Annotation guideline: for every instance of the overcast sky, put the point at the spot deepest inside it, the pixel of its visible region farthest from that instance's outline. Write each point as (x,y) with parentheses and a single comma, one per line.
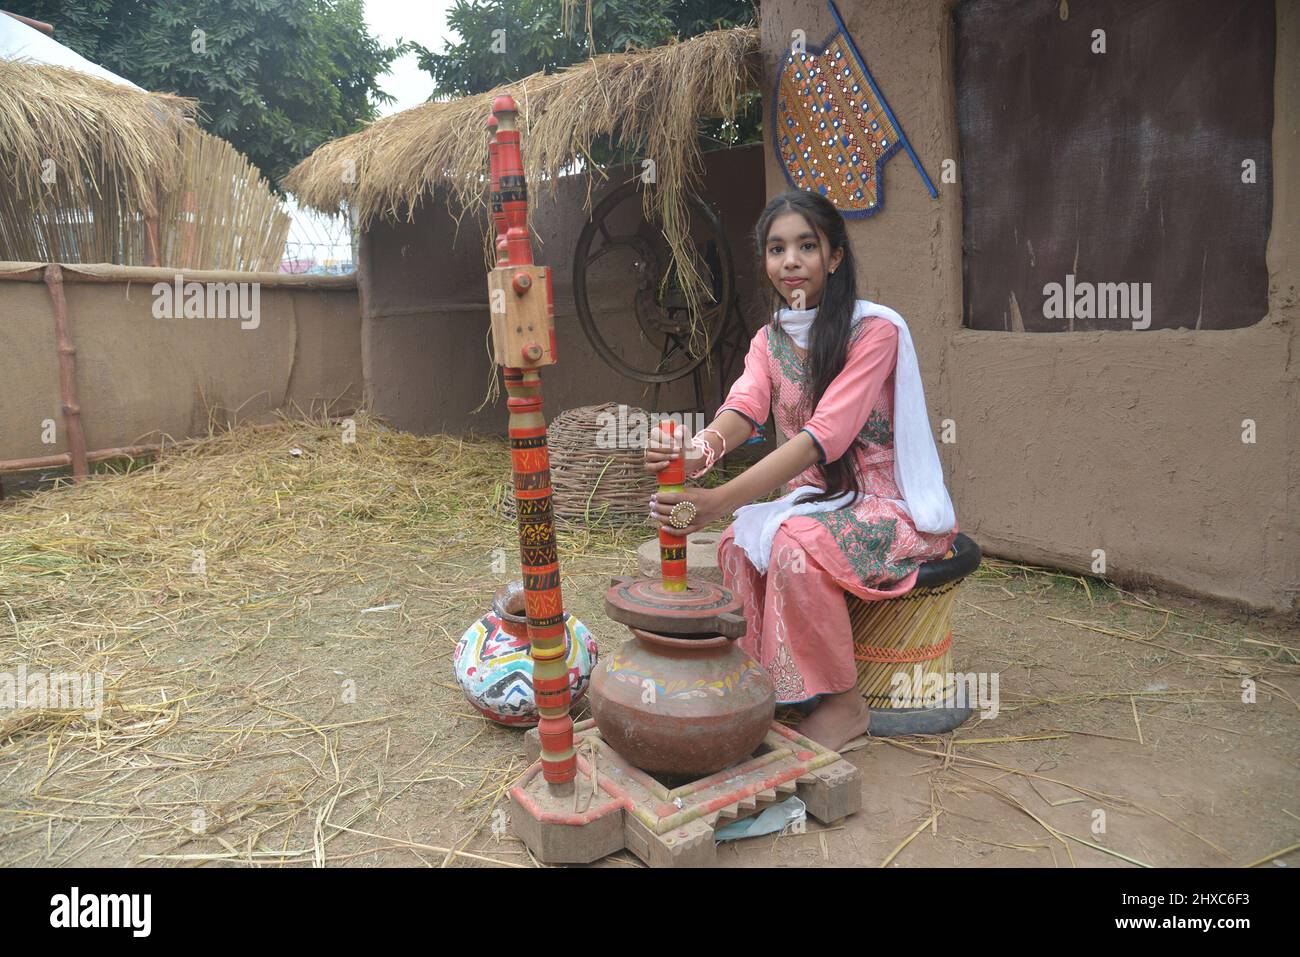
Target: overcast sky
(313,236)
(423,21)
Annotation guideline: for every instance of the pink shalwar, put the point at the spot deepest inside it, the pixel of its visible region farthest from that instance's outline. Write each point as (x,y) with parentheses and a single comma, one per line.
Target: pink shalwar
(798,622)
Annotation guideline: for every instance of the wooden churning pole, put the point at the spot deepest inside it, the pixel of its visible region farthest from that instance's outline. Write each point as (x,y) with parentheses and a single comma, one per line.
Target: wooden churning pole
(522,308)
(672,546)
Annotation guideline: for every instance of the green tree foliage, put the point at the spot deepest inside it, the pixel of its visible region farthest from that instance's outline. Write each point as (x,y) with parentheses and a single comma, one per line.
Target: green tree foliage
(274,77)
(505,40)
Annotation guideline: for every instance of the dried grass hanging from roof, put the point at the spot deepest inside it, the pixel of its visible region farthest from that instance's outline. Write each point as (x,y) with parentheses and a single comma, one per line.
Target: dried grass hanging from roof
(88,161)
(649,100)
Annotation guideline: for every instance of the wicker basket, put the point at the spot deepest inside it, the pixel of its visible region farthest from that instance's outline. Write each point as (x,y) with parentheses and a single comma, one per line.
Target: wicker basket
(590,483)
(902,634)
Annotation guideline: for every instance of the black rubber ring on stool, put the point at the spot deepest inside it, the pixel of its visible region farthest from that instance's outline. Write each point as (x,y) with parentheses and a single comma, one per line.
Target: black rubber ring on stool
(890,722)
(939,571)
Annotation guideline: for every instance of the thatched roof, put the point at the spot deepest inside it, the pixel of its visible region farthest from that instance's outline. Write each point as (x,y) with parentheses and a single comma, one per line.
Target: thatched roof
(101,137)
(650,99)
(90,162)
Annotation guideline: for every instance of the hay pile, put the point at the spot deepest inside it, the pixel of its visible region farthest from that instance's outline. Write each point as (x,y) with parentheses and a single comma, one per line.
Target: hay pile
(223,739)
(104,578)
(650,100)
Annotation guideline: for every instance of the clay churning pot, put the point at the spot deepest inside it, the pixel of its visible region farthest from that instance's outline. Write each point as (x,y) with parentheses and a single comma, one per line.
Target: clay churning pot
(681,706)
(680,698)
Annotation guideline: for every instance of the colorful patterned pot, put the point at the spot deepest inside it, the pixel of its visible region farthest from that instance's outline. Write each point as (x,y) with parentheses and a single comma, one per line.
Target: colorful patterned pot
(682,706)
(493,666)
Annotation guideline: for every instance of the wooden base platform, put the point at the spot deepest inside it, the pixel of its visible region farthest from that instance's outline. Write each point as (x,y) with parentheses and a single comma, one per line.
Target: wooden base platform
(613,805)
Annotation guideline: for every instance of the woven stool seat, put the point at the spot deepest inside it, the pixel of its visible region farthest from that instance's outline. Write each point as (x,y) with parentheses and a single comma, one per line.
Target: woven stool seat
(911,634)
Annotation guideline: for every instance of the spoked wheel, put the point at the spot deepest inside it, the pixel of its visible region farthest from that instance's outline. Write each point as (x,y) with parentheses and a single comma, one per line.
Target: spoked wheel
(622,278)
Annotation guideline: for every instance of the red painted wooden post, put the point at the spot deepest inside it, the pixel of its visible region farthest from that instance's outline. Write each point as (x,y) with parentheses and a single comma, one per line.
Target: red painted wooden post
(510,181)
(498,217)
(672,547)
(523,330)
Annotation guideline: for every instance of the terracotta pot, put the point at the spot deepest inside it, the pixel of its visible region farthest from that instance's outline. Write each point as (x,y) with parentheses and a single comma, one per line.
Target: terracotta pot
(681,706)
(494,668)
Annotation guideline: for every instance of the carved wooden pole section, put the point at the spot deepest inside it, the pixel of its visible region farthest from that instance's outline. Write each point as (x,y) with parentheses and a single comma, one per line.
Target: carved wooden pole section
(67,372)
(498,215)
(672,547)
(523,340)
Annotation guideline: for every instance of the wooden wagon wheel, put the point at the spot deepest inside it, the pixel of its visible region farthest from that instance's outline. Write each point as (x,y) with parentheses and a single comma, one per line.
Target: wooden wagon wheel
(629,270)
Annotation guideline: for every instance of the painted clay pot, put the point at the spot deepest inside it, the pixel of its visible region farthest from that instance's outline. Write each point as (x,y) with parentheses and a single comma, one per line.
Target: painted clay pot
(681,706)
(493,666)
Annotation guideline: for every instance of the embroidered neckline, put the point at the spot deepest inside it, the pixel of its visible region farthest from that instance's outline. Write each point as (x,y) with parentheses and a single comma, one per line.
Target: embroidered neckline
(878,429)
(791,365)
(794,367)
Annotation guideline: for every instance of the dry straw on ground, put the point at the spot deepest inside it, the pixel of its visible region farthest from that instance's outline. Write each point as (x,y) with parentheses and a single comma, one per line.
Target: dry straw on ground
(648,100)
(168,580)
(223,740)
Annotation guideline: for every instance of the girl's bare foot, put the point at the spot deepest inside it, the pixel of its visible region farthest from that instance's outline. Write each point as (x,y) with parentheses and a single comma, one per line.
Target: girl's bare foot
(837,720)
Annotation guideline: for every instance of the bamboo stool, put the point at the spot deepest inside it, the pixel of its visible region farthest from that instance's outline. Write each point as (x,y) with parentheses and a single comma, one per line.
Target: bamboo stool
(912,635)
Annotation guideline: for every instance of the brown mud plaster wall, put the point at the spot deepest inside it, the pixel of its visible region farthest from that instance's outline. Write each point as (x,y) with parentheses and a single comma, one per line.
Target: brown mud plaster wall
(425,312)
(1125,441)
(139,377)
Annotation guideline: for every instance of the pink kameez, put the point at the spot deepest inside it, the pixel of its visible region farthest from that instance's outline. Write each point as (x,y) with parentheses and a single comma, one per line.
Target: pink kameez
(798,622)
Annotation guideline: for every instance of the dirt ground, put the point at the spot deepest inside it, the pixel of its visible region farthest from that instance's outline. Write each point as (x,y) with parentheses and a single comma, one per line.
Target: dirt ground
(292,728)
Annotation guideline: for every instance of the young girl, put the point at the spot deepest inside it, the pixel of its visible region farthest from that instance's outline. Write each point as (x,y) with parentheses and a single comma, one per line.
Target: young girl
(866,503)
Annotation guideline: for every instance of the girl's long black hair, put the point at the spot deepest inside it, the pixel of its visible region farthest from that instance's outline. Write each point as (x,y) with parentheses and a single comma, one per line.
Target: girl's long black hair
(829,343)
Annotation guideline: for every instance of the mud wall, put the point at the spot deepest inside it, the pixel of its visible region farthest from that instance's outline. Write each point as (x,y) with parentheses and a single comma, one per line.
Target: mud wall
(141,376)
(424,305)
(1065,443)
